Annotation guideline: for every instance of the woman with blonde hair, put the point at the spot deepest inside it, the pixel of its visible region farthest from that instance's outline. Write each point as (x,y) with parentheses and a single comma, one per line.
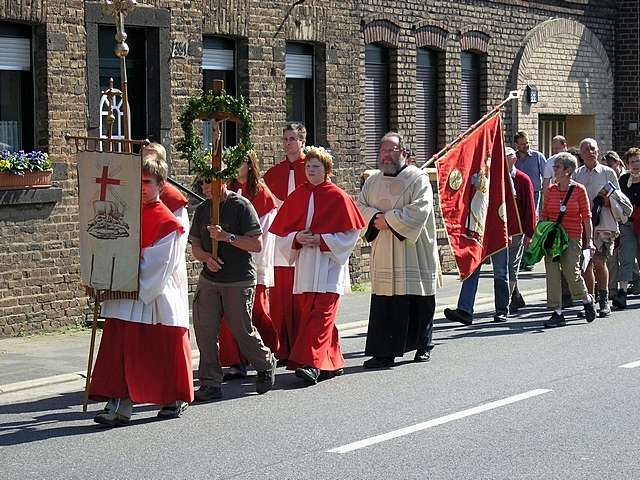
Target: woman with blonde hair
(320,225)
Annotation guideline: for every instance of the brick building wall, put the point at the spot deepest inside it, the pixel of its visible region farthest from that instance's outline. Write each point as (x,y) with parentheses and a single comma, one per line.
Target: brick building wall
(39,272)
(627,78)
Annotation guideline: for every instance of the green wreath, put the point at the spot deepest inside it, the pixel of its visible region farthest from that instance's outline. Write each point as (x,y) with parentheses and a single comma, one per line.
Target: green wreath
(190,146)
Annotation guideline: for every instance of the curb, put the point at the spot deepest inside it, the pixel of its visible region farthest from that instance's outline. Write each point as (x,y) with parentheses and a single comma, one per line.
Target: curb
(72,377)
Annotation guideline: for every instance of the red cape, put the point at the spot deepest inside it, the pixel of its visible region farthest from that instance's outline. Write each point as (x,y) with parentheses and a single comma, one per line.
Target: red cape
(172,197)
(262,201)
(157,222)
(334,211)
(277,177)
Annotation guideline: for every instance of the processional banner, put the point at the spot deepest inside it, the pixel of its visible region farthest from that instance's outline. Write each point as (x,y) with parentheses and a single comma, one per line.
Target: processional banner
(477,197)
(110,200)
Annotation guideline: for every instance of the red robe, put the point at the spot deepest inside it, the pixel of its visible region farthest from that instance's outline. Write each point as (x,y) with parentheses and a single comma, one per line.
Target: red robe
(334,211)
(172,197)
(284,311)
(277,177)
(148,363)
(228,349)
(317,343)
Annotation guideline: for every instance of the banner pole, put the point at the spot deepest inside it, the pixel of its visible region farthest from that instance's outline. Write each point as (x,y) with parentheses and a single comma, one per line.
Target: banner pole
(94,328)
(513,94)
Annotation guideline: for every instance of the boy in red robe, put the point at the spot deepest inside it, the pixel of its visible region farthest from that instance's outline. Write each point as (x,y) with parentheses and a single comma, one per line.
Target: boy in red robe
(319,225)
(282,179)
(145,353)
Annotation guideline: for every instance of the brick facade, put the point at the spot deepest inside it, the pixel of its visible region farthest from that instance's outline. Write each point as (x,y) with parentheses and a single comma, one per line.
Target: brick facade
(39,272)
(627,76)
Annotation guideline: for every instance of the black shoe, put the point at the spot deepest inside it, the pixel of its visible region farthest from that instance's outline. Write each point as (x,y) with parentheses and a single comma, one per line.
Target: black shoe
(379,362)
(173,410)
(309,374)
(634,288)
(206,393)
(589,312)
(603,304)
(500,318)
(266,378)
(556,320)
(458,315)
(620,300)
(328,374)
(422,356)
(236,372)
(111,419)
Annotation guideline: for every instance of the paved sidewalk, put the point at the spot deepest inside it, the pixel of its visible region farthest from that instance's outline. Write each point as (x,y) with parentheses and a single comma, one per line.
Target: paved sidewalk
(38,360)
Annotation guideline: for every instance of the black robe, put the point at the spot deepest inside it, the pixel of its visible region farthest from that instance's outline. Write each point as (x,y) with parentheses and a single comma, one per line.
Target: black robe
(399,324)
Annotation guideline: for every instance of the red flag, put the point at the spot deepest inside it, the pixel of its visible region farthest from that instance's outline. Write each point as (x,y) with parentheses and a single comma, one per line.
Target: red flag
(476,197)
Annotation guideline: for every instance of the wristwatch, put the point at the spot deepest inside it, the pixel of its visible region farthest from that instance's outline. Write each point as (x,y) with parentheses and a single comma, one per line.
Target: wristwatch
(232,238)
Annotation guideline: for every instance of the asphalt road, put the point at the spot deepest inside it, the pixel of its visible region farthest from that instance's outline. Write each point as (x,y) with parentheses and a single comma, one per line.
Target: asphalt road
(497,401)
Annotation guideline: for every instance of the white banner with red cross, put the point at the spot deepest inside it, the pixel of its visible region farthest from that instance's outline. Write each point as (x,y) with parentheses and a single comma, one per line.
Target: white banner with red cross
(110,200)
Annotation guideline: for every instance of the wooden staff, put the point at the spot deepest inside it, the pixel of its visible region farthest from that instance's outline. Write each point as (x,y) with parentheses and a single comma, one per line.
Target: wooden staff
(216,164)
(513,94)
(94,328)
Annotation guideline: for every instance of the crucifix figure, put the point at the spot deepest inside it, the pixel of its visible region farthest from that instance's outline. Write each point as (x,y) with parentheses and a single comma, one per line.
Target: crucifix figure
(217,119)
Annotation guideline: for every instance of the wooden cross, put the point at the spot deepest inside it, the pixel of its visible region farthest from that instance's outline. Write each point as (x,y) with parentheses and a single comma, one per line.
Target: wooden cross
(217,126)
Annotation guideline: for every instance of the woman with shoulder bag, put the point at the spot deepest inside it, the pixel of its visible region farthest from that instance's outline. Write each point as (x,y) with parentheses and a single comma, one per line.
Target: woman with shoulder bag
(567,203)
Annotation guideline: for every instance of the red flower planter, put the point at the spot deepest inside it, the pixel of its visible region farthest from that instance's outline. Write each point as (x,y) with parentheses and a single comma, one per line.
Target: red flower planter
(9,181)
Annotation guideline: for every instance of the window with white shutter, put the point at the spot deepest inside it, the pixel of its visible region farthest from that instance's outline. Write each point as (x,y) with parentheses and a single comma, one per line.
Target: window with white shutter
(301,99)
(469,90)
(219,63)
(426,104)
(377,94)
(16,88)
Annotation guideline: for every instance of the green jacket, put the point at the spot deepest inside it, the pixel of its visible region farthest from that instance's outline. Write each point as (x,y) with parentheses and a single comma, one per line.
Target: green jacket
(550,238)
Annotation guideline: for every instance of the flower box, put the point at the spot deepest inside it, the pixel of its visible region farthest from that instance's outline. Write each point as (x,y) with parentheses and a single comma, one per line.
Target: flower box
(9,181)
(20,170)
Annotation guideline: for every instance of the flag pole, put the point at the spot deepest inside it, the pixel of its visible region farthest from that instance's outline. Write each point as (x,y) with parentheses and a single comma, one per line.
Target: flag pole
(513,94)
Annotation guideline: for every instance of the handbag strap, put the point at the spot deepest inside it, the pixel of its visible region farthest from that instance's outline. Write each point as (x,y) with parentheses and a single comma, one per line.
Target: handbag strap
(563,205)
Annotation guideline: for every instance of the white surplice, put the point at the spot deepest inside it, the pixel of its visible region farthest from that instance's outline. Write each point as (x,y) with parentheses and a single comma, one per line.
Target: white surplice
(318,271)
(264,259)
(162,286)
(409,266)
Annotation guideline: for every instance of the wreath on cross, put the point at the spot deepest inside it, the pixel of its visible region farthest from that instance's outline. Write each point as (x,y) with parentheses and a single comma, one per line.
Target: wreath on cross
(217,108)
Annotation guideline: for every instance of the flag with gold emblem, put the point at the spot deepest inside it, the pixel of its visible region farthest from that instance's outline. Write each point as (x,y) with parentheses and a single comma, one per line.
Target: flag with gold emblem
(476,197)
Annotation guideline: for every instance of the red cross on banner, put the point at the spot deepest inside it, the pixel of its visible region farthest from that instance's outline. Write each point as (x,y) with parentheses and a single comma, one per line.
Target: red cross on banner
(104,180)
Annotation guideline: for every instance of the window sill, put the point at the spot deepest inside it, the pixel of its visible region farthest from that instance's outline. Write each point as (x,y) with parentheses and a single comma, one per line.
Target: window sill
(30,196)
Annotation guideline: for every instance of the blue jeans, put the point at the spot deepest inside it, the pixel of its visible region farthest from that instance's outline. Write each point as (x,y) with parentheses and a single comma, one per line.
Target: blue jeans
(467,297)
(536,201)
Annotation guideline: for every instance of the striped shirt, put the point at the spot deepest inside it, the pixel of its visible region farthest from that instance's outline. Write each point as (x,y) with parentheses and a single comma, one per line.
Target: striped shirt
(578,208)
